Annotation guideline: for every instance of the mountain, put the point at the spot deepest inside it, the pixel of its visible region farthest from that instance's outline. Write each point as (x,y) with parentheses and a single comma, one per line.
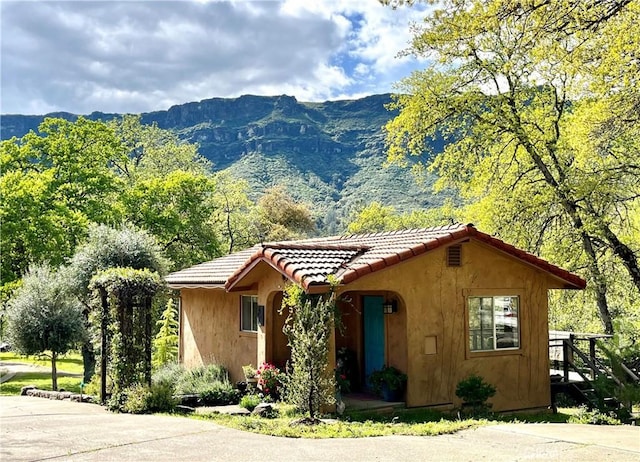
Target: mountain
(329,154)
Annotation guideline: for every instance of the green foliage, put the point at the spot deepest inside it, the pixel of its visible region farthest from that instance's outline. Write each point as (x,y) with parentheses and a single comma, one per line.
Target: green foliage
(210,382)
(290,426)
(44,317)
(250,401)
(176,208)
(375,218)
(537,144)
(281,218)
(249,371)
(125,295)
(594,417)
(474,390)
(151,152)
(145,399)
(165,343)
(309,384)
(233,214)
(219,394)
(389,377)
(621,352)
(169,373)
(107,247)
(53,185)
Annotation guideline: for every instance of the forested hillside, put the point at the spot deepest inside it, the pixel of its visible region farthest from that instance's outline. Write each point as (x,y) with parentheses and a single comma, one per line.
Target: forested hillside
(330,155)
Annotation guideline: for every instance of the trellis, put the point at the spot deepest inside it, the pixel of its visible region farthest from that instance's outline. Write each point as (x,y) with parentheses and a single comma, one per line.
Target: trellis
(125,296)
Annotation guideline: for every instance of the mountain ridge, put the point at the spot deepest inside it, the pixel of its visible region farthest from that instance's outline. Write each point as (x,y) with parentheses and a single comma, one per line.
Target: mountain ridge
(330,154)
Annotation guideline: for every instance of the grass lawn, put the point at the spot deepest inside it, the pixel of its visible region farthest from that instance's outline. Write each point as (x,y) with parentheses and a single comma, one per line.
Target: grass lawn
(284,426)
(417,422)
(71,363)
(41,380)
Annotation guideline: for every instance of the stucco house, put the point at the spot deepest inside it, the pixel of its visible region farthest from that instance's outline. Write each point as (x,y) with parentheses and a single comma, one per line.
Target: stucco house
(438,304)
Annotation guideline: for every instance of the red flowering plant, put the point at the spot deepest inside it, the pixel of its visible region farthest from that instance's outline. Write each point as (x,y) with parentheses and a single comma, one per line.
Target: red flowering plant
(269,379)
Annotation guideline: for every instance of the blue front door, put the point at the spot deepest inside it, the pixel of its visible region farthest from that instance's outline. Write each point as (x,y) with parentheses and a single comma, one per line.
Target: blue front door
(373,336)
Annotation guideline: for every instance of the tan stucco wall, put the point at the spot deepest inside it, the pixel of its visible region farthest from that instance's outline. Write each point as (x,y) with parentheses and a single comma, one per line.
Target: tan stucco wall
(211,331)
(433,301)
(431,305)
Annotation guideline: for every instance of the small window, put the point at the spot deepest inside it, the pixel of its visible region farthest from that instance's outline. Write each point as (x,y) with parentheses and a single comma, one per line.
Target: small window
(249,313)
(494,323)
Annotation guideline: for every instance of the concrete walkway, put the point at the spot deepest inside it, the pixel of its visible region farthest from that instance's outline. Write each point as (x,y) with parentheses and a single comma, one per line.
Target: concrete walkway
(36,429)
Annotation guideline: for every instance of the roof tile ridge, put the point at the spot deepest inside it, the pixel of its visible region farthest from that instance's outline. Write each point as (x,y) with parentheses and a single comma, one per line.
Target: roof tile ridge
(394,232)
(315,246)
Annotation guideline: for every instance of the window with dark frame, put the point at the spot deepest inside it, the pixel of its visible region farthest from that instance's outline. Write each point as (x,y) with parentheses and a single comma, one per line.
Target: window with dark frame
(249,313)
(494,323)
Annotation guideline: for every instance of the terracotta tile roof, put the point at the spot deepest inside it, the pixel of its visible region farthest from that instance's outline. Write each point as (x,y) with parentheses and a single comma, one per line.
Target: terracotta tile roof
(310,261)
(211,273)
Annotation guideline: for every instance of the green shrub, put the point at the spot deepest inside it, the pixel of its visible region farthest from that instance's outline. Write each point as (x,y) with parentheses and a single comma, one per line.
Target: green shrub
(200,379)
(595,417)
(142,399)
(220,394)
(474,393)
(169,373)
(474,390)
(249,402)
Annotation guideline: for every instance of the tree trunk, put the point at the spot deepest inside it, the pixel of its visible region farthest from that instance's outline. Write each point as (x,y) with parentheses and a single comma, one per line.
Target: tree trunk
(571,208)
(88,362)
(628,257)
(54,371)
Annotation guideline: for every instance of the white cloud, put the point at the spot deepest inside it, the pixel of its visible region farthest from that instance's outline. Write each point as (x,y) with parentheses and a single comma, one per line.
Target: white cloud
(126,56)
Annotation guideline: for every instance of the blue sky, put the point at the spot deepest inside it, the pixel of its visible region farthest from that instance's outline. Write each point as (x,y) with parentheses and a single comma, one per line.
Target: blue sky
(139,56)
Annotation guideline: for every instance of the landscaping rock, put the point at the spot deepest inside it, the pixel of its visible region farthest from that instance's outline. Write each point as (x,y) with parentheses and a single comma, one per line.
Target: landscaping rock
(24,391)
(232,409)
(185,409)
(191,400)
(262,409)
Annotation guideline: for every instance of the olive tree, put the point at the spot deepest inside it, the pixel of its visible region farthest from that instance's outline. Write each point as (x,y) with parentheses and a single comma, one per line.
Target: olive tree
(44,318)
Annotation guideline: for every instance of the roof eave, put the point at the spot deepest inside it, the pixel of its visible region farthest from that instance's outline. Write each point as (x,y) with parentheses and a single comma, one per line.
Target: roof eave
(194,285)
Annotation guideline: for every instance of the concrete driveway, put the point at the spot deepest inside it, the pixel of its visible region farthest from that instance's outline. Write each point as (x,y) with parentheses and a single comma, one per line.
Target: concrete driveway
(36,429)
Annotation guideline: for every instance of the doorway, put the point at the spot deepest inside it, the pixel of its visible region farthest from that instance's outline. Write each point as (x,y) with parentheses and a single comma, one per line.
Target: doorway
(374,347)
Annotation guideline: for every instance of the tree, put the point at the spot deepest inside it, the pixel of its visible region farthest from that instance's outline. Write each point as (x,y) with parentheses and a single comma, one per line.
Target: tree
(376,218)
(523,93)
(309,326)
(169,190)
(177,209)
(44,318)
(233,213)
(53,184)
(151,152)
(106,247)
(165,343)
(281,218)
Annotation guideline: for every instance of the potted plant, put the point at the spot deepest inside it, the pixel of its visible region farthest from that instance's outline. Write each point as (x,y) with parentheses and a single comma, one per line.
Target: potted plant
(388,382)
(250,376)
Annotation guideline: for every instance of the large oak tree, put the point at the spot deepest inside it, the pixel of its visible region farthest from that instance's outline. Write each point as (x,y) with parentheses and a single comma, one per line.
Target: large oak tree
(538,101)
